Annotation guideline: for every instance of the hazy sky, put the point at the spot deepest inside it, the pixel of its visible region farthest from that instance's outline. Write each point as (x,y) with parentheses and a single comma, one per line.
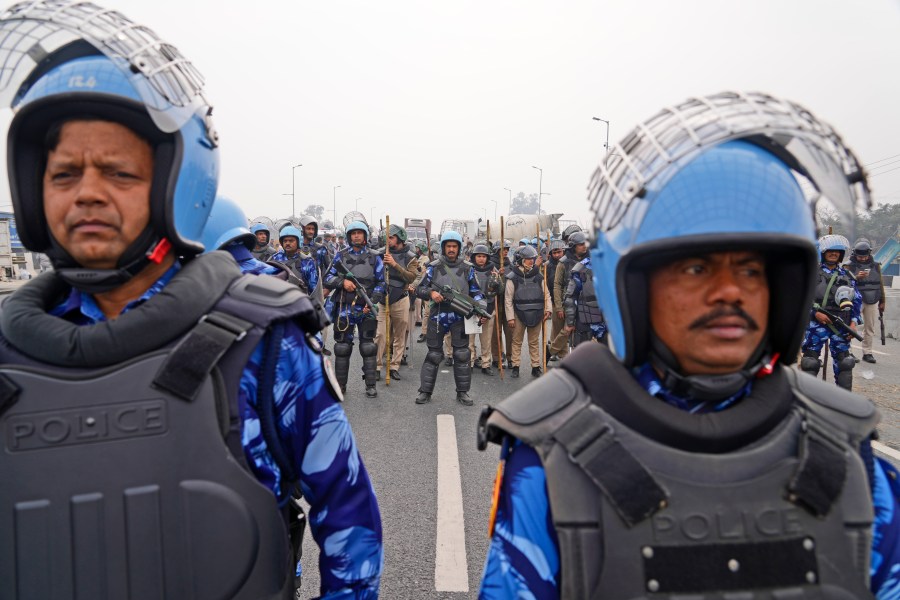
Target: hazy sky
(430,109)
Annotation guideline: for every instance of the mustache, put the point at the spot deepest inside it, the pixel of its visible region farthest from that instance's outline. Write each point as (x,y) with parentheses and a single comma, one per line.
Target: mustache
(725,311)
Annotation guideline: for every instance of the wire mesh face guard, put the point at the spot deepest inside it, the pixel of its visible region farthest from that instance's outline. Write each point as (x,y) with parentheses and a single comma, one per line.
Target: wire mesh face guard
(810,147)
(169,85)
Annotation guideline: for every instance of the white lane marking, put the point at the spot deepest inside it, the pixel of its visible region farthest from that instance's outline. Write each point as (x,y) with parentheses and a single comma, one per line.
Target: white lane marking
(451,571)
(874,351)
(886,450)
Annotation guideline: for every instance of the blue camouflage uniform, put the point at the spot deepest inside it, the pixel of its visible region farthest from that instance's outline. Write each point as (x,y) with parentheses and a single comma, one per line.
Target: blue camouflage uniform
(817,333)
(344,516)
(247,263)
(523,558)
(445,320)
(598,330)
(351,313)
(307,272)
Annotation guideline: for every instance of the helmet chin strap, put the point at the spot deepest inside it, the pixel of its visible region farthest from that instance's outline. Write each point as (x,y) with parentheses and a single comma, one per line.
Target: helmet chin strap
(707,387)
(96,281)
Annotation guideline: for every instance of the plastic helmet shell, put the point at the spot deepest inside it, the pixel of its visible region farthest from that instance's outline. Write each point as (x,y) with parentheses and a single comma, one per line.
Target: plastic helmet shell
(733,196)
(862,248)
(357,226)
(186,162)
(226,225)
(557,245)
(451,236)
(526,252)
(290,231)
(480,249)
(576,238)
(569,231)
(400,232)
(256,228)
(833,242)
(308,220)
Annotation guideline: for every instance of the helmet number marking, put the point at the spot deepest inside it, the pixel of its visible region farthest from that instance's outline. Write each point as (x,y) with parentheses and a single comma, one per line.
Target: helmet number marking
(79,81)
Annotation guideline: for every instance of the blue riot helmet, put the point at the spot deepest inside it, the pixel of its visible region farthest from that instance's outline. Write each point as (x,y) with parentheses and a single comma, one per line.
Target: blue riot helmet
(833,242)
(524,241)
(451,236)
(714,174)
(254,229)
(290,231)
(95,64)
(227,225)
(357,226)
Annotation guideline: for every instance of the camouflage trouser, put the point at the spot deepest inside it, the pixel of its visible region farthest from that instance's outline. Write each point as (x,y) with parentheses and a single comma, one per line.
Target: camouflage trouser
(815,338)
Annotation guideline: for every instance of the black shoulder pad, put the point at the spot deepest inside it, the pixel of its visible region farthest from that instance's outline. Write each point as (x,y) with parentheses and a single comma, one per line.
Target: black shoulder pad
(268,291)
(578,268)
(540,399)
(834,404)
(435,262)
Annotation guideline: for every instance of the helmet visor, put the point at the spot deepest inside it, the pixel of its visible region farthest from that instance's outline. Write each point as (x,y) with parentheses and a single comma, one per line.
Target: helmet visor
(167,83)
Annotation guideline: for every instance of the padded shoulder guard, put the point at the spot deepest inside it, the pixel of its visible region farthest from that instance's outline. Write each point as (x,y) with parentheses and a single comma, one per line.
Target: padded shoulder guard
(532,413)
(850,412)
(579,267)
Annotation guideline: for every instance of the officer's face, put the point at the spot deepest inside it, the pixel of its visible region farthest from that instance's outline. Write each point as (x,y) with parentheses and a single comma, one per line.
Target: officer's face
(262,238)
(357,237)
(481,259)
(832,256)
(711,310)
(97,191)
(290,244)
(580,249)
(557,254)
(451,250)
(310,231)
(527,263)
(394,242)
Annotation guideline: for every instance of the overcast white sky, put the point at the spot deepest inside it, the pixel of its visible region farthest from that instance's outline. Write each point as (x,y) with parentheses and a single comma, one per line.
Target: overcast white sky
(430,109)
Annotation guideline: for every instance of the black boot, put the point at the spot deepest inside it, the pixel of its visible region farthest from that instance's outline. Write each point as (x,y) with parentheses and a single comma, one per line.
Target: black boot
(464,399)
(395,374)
(487,371)
(403,360)
(515,371)
(423,398)
(536,371)
(371,392)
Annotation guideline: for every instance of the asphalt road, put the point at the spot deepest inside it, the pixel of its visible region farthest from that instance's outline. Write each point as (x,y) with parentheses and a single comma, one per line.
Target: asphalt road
(398,441)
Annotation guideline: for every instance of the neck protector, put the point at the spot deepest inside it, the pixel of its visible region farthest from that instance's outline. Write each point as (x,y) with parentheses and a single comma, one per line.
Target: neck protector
(703,387)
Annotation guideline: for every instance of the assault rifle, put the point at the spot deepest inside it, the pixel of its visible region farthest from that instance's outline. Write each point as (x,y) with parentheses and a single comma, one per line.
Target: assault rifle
(360,290)
(839,323)
(881,320)
(461,303)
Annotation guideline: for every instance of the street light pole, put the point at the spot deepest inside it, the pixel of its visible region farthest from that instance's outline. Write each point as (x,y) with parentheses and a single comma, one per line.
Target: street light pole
(334,203)
(509,206)
(606,145)
(540,184)
(293,204)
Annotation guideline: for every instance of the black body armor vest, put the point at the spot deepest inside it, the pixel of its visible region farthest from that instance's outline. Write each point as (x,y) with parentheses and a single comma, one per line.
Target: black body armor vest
(870,286)
(363,268)
(587,308)
(455,275)
(841,277)
(125,476)
(528,297)
(397,287)
(767,499)
(263,255)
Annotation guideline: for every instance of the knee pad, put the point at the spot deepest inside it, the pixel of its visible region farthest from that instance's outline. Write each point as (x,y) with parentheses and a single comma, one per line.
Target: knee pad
(343,349)
(462,355)
(434,357)
(367,348)
(845,362)
(810,363)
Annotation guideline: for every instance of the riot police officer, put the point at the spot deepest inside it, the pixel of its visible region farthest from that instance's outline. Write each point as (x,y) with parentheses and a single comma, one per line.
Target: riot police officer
(298,261)
(584,319)
(448,275)
(489,282)
(310,230)
(558,346)
(401,261)
(183,378)
(651,468)
(527,307)
(835,311)
(871,287)
(262,249)
(504,351)
(355,273)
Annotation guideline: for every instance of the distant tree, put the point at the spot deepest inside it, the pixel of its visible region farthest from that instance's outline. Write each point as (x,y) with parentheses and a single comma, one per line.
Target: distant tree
(877,226)
(315,210)
(525,205)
